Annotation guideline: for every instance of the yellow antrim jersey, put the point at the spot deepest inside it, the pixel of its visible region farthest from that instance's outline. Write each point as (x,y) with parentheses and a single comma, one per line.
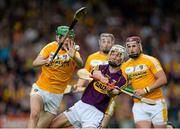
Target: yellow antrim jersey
(95,59)
(54,78)
(140,74)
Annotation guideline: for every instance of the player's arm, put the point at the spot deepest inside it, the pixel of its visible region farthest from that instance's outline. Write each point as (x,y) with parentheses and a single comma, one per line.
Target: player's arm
(115,89)
(79,86)
(160,77)
(40,60)
(81,82)
(113,92)
(43,57)
(97,74)
(78,60)
(74,54)
(160,81)
(159,74)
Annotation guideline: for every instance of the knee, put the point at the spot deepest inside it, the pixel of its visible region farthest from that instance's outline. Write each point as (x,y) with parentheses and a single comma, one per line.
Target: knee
(34,114)
(54,123)
(60,121)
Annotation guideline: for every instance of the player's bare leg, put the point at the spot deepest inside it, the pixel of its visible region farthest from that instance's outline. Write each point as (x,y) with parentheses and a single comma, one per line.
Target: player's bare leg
(143,124)
(36,104)
(45,119)
(160,126)
(105,121)
(60,121)
(108,114)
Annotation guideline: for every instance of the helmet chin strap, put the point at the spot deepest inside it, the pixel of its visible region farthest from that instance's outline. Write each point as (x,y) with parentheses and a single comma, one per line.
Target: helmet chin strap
(114,65)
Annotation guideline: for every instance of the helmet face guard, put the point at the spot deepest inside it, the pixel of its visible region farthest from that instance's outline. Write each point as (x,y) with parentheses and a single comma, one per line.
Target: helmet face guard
(137,40)
(62,30)
(122,53)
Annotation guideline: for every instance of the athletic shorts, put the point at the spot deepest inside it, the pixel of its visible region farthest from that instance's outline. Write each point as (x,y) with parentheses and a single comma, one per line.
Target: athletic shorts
(51,101)
(157,114)
(82,115)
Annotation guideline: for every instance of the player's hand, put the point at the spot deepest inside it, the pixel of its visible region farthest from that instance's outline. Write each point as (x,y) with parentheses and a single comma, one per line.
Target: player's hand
(98,76)
(104,80)
(109,87)
(49,61)
(140,92)
(70,48)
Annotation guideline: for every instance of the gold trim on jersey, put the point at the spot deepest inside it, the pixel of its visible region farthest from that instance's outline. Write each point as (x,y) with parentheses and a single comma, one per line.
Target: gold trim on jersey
(100,87)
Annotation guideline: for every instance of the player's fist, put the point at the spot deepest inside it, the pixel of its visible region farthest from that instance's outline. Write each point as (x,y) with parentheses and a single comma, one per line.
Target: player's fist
(49,61)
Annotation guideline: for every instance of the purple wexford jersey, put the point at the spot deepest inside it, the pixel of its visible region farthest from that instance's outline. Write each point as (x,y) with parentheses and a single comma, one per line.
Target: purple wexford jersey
(96,94)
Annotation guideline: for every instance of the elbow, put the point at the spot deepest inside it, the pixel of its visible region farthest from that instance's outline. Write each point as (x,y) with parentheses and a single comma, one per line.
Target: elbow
(165,80)
(34,64)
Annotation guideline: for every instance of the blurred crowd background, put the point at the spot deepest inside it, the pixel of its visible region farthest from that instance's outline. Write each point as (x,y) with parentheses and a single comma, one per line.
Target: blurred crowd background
(27,25)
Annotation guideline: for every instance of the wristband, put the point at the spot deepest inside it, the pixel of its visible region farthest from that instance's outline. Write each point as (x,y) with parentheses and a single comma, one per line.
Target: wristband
(146,89)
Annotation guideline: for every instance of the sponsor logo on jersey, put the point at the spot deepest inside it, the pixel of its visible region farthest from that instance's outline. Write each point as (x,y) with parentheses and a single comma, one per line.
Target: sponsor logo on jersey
(60,60)
(138,68)
(135,72)
(98,62)
(100,87)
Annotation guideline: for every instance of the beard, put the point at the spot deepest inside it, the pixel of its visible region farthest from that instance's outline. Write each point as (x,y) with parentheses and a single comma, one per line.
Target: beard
(134,56)
(114,65)
(105,51)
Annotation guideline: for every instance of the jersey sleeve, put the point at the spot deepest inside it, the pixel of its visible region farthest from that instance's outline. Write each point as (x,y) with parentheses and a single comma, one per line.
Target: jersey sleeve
(87,64)
(46,51)
(155,65)
(123,71)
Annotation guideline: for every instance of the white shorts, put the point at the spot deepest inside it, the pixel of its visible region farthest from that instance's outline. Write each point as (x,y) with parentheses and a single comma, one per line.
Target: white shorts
(51,101)
(157,114)
(82,115)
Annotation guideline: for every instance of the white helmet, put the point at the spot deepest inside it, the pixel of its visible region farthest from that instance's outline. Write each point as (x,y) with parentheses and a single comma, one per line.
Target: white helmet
(120,49)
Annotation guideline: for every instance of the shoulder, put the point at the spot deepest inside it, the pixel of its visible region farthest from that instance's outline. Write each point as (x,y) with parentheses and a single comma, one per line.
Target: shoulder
(94,54)
(126,63)
(54,43)
(150,59)
(51,44)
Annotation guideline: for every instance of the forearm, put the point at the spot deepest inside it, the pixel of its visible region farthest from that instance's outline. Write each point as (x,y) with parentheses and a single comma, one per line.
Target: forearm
(113,92)
(79,61)
(157,84)
(81,83)
(40,60)
(39,63)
